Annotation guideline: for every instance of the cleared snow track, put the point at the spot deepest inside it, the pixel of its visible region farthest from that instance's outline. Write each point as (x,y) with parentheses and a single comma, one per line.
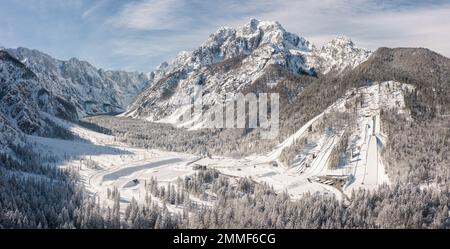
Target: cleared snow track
(123,172)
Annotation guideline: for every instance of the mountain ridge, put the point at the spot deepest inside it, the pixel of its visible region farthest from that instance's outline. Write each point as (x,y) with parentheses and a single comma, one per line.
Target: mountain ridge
(256,47)
(91,90)
(34,83)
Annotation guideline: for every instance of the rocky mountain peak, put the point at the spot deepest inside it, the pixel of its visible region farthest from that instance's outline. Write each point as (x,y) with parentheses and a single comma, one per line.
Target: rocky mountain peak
(232,59)
(263,40)
(337,55)
(341,41)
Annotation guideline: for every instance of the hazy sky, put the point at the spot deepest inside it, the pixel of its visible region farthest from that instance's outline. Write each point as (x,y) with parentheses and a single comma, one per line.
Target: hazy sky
(140,34)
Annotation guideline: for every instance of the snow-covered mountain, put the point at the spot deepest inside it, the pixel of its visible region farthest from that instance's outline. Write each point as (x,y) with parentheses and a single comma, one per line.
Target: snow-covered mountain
(232,60)
(337,55)
(35,86)
(8,134)
(88,89)
(22,97)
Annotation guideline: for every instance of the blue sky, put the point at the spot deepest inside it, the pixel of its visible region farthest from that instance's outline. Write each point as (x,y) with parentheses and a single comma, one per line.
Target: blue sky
(140,34)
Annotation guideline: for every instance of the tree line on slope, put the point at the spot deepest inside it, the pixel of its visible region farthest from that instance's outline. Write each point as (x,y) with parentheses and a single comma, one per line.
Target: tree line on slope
(416,151)
(144,134)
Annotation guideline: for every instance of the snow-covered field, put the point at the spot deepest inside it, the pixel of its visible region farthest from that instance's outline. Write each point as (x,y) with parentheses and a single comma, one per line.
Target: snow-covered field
(105,163)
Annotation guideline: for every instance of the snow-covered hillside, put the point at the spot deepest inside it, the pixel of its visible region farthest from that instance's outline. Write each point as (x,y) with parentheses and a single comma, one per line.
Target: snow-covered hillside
(22,97)
(33,83)
(8,135)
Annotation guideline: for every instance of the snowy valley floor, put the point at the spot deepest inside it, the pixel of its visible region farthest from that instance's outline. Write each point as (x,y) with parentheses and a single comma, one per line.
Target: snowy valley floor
(104,163)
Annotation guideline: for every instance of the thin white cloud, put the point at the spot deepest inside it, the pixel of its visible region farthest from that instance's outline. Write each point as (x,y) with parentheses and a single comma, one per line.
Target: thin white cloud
(149,15)
(93,8)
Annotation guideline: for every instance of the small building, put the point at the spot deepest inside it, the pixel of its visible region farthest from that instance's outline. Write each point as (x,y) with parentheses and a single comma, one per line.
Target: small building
(199,167)
(356,151)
